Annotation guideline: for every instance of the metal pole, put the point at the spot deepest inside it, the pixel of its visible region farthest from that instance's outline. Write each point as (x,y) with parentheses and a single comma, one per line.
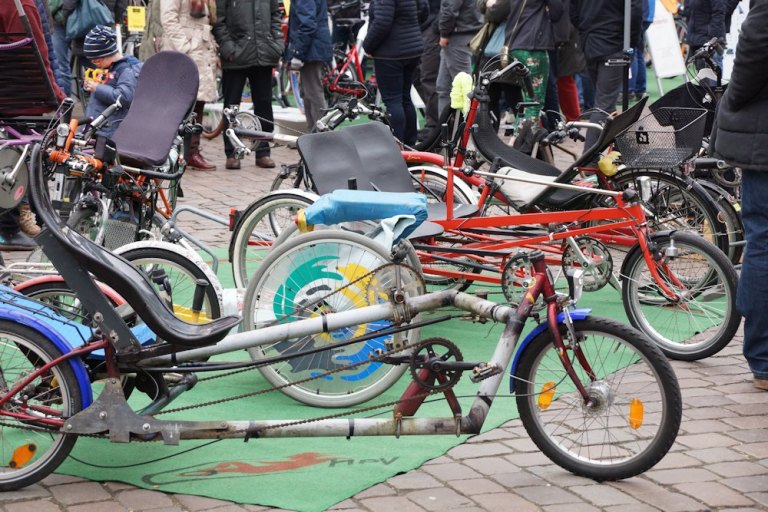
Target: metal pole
(627,51)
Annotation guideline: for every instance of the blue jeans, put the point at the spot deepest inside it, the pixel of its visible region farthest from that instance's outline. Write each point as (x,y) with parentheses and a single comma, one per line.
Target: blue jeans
(394,79)
(752,293)
(637,81)
(61,49)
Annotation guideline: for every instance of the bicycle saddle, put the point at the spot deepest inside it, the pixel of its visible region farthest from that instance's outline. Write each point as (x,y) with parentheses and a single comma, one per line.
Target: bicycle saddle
(165,94)
(128,280)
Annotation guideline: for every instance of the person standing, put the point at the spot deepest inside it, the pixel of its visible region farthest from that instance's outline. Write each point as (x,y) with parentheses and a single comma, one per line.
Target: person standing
(429,66)
(601,25)
(187,29)
(741,138)
(394,42)
(530,35)
(250,44)
(706,20)
(309,47)
(458,22)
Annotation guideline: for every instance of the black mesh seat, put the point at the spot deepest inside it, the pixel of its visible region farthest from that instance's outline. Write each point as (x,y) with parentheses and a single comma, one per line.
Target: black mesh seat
(165,93)
(369,154)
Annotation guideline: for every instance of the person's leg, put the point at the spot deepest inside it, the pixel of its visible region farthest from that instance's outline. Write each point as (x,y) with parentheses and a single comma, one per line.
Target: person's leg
(426,85)
(409,109)
(640,79)
(752,291)
(11,239)
(195,159)
(568,96)
(260,79)
(61,49)
(232,84)
(312,92)
(587,90)
(608,80)
(551,103)
(389,76)
(454,58)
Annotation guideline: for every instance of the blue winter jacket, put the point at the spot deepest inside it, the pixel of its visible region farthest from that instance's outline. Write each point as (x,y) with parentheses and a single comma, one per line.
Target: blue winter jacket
(309,38)
(123,75)
(393,29)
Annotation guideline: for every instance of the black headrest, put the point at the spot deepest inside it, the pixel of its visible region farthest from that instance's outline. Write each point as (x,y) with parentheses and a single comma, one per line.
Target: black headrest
(165,93)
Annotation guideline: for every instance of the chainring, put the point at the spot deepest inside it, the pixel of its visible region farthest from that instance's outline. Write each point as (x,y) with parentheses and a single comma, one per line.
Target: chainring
(597,276)
(516,277)
(431,355)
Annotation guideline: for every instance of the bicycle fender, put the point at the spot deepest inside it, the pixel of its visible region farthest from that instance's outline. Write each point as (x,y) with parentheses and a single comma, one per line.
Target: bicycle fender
(576,314)
(58,338)
(635,248)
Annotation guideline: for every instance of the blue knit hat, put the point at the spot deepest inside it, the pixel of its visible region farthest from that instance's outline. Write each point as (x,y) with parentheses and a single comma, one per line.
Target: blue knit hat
(100,42)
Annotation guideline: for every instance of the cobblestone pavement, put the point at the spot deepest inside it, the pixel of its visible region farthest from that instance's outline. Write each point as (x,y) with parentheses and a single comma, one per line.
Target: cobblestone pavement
(720,459)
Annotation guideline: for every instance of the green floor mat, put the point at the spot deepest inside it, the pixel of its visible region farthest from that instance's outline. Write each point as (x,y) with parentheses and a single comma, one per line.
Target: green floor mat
(307,474)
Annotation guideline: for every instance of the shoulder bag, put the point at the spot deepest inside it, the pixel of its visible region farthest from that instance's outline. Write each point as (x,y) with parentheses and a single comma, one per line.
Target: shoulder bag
(87,15)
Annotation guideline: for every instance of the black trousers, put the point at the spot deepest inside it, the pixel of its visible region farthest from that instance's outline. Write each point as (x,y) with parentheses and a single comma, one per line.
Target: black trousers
(260,80)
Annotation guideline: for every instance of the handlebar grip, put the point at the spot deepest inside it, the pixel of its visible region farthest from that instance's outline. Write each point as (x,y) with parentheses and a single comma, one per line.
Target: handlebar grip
(709,163)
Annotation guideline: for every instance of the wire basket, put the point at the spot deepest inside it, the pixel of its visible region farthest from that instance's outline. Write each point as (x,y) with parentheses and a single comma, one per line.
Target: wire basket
(663,139)
(118,232)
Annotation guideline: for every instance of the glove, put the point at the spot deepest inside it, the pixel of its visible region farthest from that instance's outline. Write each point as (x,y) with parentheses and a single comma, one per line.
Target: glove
(296,64)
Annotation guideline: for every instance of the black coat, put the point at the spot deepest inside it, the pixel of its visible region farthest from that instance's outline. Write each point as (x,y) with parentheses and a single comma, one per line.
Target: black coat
(393,29)
(601,25)
(741,134)
(535,30)
(248,33)
(706,19)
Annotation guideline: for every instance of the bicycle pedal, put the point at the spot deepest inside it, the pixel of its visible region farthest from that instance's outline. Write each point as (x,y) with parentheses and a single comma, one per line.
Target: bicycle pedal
(484,370)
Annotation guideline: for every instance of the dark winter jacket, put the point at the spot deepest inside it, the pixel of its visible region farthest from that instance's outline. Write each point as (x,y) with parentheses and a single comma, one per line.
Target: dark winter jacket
(309,38)
(535,30)
(123,75)
(601,25)
(248,33)
(741,134)
(58,72)
(393,29)
(706,19)
(458,17)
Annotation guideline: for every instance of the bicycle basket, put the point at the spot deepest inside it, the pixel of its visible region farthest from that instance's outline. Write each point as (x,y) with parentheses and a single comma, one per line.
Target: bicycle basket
(663,139)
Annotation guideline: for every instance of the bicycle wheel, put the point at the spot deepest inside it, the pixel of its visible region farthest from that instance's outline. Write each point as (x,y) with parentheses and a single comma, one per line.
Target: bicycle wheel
(635,408)
(260,224)
(315,274)
(32,448)
(177,275)
(292,176)
(432,182)
(675,202)
(703,319)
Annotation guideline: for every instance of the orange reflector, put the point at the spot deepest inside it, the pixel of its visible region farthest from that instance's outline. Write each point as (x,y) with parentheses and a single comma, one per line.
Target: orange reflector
(22,455)
(545,397)
(635,413)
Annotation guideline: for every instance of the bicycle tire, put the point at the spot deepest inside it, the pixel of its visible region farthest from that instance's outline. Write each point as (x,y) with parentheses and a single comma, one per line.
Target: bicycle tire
(56,393)
(259,225)
(677,203)
(598,441)
(705,320)
(183,274)
(435,179)
(305,272)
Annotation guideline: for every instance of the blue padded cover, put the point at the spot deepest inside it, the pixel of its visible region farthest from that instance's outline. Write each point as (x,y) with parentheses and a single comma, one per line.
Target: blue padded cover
(354,205)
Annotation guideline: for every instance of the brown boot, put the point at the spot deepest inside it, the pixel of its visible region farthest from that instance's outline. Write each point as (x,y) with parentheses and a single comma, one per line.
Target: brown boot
(28,221)
(196,159)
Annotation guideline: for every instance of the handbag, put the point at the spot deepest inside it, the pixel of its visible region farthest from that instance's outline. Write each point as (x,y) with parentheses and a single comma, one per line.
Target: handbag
(496,42)
(87,15)
(477,43)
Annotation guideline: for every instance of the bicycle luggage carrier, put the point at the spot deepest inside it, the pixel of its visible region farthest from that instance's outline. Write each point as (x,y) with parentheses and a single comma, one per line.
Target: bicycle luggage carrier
(662,139)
